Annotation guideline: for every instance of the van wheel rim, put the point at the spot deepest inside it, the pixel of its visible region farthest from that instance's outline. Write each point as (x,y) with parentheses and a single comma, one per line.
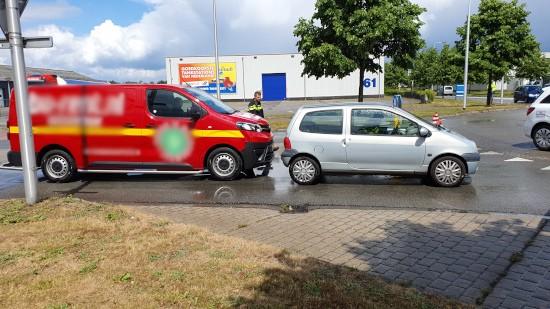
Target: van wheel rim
(57,167)
(542,137)
(448,172)
(224,164)
(303,171)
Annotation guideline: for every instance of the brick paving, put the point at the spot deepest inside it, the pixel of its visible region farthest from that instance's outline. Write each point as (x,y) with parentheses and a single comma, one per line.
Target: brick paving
(527,284)
(459,255)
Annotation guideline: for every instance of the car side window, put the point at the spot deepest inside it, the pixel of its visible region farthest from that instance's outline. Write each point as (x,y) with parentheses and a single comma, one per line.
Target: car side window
(323,122)
(380,122)
(546,100)
(165,103)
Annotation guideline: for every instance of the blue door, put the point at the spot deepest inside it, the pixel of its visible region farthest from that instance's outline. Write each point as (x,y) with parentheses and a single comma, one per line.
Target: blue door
(274,86)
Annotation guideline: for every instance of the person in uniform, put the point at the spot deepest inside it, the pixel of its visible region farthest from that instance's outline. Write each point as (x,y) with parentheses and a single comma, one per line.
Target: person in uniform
(255,106)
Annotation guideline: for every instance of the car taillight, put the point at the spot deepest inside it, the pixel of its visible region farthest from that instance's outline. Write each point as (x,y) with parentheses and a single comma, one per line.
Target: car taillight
(287,143)
(530,110)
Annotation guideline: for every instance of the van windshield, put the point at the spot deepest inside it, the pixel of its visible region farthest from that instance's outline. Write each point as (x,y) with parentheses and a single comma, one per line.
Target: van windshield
(211,101)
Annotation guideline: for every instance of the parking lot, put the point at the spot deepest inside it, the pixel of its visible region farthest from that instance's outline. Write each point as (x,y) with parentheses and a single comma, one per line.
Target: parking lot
(513,178)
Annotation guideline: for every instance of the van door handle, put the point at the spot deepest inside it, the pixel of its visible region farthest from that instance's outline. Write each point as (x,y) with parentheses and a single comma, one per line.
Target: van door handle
(344,142)
(129,125)
(151,126)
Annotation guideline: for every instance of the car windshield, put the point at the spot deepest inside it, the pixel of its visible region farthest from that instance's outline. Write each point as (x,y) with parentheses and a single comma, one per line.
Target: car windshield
(422,121)
(211,101)
(534,89)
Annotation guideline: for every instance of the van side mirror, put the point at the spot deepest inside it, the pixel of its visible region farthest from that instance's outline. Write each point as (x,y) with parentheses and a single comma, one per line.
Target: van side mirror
(424,132)
(196,115)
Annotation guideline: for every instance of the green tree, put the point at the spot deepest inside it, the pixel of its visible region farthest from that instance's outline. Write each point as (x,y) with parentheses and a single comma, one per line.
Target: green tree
(500,40)
(345,35)
(426,68)
(395,75)
(450,66)
(534,67)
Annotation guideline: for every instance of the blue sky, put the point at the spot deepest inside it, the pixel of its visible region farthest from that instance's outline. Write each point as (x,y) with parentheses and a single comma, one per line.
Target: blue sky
(128,39)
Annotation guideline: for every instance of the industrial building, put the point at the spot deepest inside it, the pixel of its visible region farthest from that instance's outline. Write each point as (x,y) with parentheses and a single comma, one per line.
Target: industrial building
(278,76)
(6,79)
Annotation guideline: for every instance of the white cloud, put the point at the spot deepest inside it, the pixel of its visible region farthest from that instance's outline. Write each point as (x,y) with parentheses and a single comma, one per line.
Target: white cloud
(50,11)
(111,51)
(270,13)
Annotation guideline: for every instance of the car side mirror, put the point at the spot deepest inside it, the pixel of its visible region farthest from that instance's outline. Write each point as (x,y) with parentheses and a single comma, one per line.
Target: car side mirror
(196,115)
(424,132)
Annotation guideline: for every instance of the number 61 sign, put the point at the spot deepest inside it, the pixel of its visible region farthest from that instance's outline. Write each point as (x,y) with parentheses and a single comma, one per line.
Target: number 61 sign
(368,83)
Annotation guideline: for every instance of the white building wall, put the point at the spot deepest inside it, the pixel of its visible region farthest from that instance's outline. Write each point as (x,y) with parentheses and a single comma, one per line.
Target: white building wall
(251,67)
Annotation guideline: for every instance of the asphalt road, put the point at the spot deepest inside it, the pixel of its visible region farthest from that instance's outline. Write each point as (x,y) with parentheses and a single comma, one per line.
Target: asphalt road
(499,186)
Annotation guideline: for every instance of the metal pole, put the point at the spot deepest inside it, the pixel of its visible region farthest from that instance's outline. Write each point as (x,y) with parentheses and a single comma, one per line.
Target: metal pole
(502,91)
(26,139)
(216,50)
(467,56)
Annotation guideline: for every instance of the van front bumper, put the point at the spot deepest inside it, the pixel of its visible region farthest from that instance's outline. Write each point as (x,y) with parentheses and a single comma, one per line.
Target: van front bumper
(257,154)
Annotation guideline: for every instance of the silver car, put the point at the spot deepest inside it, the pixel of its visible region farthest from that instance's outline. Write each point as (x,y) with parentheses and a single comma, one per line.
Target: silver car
(374,139)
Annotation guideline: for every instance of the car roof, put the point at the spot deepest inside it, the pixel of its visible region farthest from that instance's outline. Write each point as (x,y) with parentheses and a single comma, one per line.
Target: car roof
(344,104)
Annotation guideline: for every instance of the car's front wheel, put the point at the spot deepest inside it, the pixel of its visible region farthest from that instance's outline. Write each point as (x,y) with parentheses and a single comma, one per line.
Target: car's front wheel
(58,166)
(305,171)
(224,164)
(541,137)
(447,171)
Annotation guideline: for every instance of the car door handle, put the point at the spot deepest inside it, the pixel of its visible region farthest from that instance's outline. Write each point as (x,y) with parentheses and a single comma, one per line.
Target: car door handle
(151,126)
(344,143)
(129,125)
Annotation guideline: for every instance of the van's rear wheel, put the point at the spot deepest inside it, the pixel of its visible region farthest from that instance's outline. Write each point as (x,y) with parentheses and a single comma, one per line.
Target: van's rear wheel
(58,166)
(224,164)
(448,172)
(305,171)
(541,137)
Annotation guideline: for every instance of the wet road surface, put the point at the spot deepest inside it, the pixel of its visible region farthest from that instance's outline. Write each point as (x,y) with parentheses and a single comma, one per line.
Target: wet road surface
(499,186)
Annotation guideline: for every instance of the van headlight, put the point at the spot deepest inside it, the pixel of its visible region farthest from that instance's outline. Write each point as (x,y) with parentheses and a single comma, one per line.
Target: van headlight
(249,126)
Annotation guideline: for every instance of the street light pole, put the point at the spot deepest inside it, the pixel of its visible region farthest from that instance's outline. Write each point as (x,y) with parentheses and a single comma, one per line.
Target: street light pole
(26,139)
(216,50)
(467,55)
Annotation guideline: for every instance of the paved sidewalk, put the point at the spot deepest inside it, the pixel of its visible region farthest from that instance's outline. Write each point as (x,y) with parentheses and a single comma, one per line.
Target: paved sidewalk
(527,284)
(460,255)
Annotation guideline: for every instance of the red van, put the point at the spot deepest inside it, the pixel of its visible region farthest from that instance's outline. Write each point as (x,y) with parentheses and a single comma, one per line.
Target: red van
(156,129)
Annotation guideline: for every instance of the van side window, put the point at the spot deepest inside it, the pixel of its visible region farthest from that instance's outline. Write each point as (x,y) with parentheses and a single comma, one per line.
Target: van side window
(546,100)
(379,122)
(323,122)
(165,103)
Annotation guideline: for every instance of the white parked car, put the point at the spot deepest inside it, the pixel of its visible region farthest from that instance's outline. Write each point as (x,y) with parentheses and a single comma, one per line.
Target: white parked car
(537,125)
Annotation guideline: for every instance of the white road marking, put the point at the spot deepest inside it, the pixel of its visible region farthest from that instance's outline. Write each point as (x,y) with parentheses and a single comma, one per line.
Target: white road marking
(491,153)
(545,169)
(518,159)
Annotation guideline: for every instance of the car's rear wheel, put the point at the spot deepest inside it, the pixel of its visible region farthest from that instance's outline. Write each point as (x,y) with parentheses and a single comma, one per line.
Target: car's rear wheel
(224,164)
(541,137)
(58,166)
(447,171)
(305,171)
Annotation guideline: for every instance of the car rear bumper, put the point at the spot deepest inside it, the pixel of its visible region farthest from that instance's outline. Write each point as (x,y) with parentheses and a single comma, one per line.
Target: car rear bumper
(257,154)
(287,155)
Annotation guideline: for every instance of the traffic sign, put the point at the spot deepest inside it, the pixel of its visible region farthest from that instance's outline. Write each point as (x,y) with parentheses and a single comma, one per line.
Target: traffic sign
(21,4)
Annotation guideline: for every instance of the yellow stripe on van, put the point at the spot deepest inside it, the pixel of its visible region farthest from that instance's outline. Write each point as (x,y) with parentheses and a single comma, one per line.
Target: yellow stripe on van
(218,133)
(114,131)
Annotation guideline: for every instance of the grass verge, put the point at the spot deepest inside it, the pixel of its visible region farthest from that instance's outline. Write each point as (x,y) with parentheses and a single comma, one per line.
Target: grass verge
(66,252)
(444,107)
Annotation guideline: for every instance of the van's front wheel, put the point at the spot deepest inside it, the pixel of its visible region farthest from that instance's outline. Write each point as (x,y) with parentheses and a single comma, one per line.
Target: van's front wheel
(58,166)
(224,164)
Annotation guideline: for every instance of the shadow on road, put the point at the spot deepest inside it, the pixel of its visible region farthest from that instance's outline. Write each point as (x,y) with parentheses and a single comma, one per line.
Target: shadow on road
(310,283)
(461,260)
